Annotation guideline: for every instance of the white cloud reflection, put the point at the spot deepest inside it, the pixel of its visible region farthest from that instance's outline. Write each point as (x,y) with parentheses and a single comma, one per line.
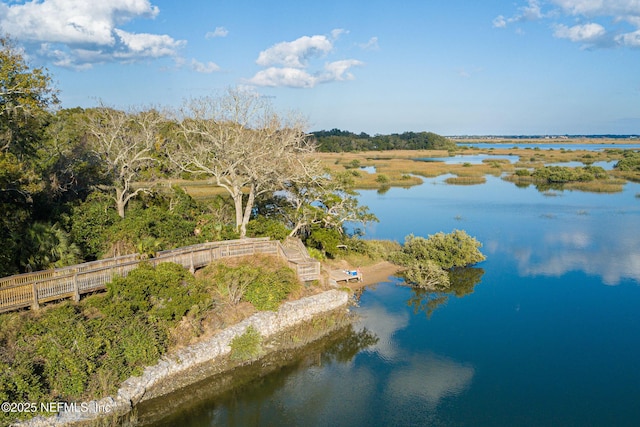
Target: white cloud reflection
(613,256)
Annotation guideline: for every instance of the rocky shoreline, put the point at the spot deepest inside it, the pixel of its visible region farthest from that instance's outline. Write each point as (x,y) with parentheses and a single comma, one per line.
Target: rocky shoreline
(193,363)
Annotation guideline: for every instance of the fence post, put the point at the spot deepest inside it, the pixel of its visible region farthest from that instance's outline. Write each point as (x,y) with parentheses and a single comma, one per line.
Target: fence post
(192,268)
(76,289)
(35,305)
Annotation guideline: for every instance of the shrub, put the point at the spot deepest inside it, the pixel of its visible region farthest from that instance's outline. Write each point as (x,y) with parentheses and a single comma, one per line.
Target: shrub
(427,275)
(326,240)
(428,259)
(263,281)
(271,288)
(382,179)
(353,164)
(246,346)
(231,283)
(169,230)
(267,227)
(630,161)
(456,249)
(90,222)
(164,293)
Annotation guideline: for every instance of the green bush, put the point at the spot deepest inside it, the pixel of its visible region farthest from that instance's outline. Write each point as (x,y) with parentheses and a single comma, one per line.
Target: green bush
(271,288)
(630,161)
(427,275)
(428,259)
(246,346)
(154,223)
(267,227)
(456,249)
(164,293)
(562,174)
(90,223)
(263,281)
(326,240)
(231,282)
(382,179)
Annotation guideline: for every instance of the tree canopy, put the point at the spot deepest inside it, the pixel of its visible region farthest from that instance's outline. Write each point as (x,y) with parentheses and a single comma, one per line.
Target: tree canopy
(337,140)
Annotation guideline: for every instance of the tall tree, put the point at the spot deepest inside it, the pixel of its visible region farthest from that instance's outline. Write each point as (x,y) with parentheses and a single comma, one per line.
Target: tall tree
(26,96)
(125,143)
(243,145)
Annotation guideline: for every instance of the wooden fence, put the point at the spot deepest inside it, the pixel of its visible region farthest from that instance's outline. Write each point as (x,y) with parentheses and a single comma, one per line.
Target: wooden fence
(33,289)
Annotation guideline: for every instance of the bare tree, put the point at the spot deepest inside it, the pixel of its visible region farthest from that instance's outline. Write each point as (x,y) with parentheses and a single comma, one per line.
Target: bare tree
(243,145)
(124,142)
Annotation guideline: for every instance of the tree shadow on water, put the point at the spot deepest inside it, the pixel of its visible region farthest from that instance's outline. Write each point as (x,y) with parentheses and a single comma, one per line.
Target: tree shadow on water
(462,282)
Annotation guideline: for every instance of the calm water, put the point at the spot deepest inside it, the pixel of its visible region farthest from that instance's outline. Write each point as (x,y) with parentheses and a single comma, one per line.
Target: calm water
(549,335)
(553,146)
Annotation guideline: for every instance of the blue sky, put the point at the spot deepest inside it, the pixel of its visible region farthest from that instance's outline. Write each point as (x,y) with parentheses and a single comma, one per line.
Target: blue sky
(447,66)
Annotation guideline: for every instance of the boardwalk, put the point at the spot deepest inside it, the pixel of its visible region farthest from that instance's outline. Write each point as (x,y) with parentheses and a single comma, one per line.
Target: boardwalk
(33,289)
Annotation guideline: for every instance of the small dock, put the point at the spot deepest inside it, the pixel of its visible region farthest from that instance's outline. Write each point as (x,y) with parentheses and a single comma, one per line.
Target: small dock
(346,276)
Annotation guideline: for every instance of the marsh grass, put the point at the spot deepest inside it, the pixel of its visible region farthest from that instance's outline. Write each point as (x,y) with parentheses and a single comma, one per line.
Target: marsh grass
(597,186)
(402,168)
(466,180)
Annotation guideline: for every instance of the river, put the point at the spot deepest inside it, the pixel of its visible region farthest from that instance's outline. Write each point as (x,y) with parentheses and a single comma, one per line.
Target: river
(545,332)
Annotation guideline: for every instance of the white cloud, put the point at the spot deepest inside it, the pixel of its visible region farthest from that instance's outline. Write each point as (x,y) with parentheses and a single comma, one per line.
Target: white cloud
(77,34)
(531,12)
(339,70)
(337,32)
(146,45)
(290,77)
(296,53)
(218,32)
(209,67)
(499,21)
(288,63)
(599,23)
(631,39)
(580,33)
(372,44)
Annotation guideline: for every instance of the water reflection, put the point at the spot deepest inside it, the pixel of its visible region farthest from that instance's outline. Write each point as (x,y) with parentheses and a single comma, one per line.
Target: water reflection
(539,235)
(430,378)
(462,282)
(614,256)
(413,375)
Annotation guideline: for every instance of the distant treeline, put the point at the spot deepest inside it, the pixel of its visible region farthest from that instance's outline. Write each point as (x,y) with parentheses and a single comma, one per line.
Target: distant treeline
(336,140)
(566,136)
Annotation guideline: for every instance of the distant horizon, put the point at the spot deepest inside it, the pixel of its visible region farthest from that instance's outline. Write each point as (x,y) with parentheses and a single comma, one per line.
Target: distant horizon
(513,136)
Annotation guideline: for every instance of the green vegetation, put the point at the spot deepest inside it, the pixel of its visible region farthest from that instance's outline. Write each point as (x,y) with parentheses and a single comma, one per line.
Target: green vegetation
(84,350)
(427,261)
(561,174)
(630,161)
(262,281)
(337,140)
(74,351)
(247,346)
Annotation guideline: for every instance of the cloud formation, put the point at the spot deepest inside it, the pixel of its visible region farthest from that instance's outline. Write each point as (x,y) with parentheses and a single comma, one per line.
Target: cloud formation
(289,63)
(78,34)
(592,23)
(218,32)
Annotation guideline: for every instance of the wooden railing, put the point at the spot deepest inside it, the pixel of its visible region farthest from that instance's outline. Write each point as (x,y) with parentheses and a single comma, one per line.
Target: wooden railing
(33,289)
